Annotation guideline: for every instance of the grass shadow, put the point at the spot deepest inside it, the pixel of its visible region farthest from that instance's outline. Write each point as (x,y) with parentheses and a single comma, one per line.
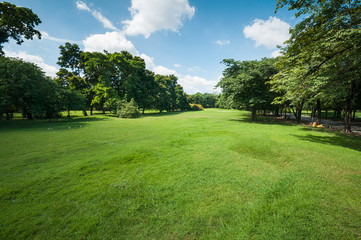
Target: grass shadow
(265,120)
(44,125)
(160,114)
(337,139)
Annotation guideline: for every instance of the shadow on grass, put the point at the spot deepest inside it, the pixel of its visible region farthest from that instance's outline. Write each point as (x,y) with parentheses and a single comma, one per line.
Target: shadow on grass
(265,120)
(44,125)
(158,114)
(337,139)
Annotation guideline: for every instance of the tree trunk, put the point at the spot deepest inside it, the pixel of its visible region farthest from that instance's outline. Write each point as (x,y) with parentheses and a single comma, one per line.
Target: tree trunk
(318,106)
(91,110)
(85,113)
(143,110)
(348,109)
(347,120)
(68,114)
(326,114)
(254,114)
(285,107)
(354,115)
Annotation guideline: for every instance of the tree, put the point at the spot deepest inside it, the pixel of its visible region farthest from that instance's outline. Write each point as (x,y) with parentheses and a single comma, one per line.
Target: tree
(16,22)
(245,83)
(25,88)
(71,100)
(207,100)
(325,48)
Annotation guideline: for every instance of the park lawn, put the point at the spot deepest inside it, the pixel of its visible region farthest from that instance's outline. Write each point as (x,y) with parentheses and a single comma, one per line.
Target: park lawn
(192,175)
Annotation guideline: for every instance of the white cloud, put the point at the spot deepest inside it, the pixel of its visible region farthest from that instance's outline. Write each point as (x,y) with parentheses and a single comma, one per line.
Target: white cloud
(106,22)
(276,53)
(177,65)
(190,84)
(164,71)
(110,41)
(149,16)
(269,33)
(149,61)
(194,84)
(222,42)
(48,69)
(45,35)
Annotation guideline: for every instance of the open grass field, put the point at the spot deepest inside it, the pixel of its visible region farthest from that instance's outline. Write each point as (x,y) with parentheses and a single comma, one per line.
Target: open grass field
(191,175)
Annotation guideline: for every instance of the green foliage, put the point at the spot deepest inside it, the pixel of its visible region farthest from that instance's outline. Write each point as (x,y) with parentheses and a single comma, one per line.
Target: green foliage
(207,100)
(321,60)
(196,107)
(25,88)
(245,83)
(129,110)
(103,78)
(71,100)
(16,22)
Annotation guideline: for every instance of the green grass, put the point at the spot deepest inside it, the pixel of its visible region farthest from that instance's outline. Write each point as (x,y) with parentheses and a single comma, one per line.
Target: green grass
(191,175)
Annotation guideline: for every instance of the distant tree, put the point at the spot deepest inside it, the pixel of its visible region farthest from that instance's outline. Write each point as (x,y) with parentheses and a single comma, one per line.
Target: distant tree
(245,83)
(70,100)
(16,22)
(207,100)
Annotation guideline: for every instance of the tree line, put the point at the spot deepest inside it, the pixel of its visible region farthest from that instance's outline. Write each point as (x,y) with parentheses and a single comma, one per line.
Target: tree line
(320,65)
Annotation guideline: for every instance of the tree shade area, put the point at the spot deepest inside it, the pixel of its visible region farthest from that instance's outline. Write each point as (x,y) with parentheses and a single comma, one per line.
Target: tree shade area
(320,65)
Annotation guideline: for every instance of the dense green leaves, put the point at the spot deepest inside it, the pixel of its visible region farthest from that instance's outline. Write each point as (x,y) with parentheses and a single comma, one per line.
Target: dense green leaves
(105,78)
(244,83)
(25,88)
(322,58)
(16,22)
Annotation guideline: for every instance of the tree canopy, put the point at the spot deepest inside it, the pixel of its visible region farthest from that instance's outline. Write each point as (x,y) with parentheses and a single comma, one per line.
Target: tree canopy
(17,22)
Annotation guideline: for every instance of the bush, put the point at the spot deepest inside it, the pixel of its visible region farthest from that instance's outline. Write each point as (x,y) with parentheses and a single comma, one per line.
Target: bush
(196,107)
(128,110)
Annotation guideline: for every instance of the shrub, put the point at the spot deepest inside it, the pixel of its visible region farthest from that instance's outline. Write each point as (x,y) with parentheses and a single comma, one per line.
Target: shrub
(196,107)
(128,110)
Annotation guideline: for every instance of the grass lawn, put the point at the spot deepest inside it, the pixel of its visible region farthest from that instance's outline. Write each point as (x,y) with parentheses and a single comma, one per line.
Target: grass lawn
(191,175)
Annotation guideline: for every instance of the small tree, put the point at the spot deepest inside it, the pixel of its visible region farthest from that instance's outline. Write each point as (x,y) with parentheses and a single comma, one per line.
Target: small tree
(129,110)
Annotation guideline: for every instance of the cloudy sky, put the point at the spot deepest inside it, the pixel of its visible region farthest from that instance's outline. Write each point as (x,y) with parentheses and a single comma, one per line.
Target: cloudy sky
(187,38)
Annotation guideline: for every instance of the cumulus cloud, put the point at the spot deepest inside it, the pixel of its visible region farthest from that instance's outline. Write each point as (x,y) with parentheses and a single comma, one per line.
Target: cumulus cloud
(222,42)
(269,33)
(190,84)
(194,84)
(276,53)
(110,41)
(177,65)
(48,69)
(106,22)
(149,16)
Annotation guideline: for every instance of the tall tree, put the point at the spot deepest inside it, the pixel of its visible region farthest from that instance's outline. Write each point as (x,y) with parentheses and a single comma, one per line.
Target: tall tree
(16,22)
(245,83)
(325,45)
(24,87)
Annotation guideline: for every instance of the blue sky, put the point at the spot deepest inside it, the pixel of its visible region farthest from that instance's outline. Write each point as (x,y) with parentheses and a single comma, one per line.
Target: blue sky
(188,38)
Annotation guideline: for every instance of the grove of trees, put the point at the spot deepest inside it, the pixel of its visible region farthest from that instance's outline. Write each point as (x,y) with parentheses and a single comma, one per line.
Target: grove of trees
(320,65)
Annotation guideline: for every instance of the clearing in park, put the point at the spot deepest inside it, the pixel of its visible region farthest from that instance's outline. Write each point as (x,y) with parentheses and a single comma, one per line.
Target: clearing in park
(211,174)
